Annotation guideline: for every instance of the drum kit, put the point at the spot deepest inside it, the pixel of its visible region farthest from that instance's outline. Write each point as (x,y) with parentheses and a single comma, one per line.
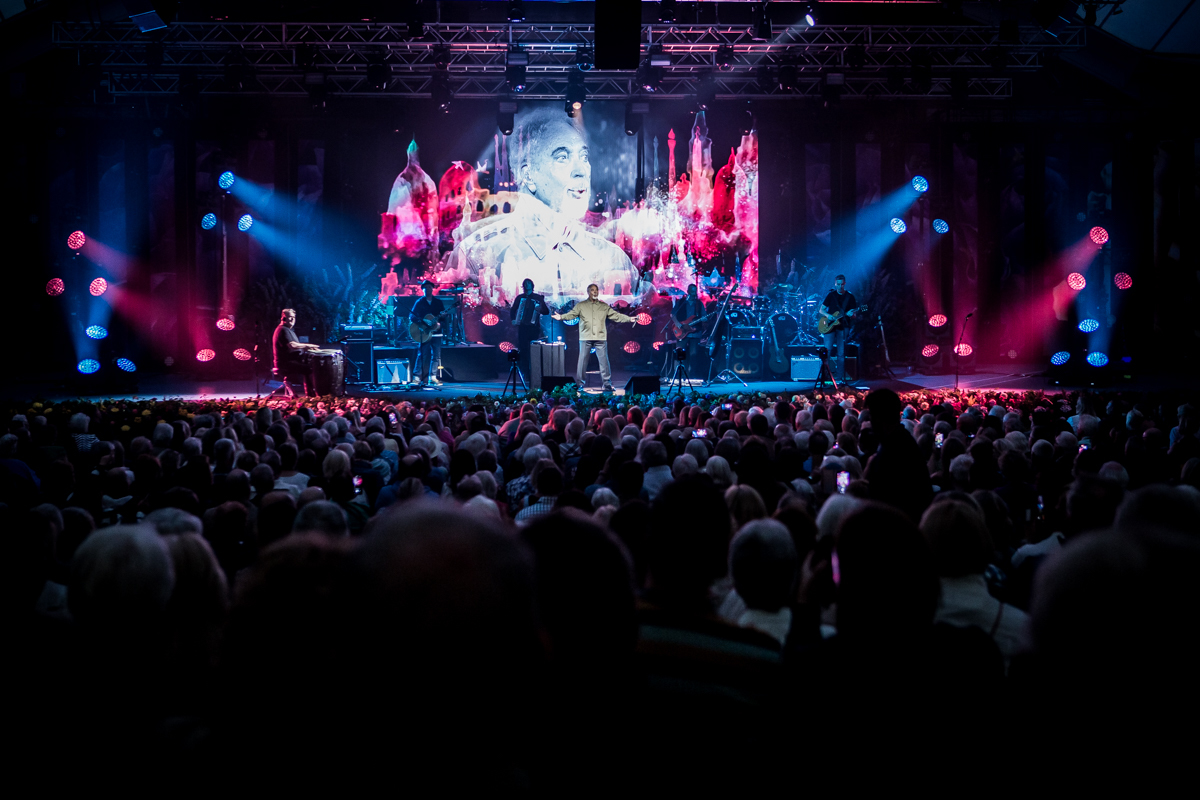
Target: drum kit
(779,319)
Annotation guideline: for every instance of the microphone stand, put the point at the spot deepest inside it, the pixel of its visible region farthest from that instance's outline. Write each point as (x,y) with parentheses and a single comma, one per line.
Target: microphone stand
(958,347)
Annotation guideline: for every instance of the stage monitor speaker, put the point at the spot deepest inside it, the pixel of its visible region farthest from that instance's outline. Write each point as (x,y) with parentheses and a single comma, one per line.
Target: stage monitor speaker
(642,384)
(746,358)
(805,368)
(551,382)
(360,360)
(618,35)
(546,360)
(393,370)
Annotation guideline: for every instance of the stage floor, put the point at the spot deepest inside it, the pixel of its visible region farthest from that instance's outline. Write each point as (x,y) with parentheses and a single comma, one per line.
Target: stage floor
(1012,378)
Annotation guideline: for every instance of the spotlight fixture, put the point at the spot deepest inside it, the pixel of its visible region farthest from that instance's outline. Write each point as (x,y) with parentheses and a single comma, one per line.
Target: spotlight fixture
(920,185)
(1060,358)
(941,226)
(657,57)
(208,221)
(441,57)
(761,30)
(125,365)
(1076,281)
(490,319)
(585,57)
(55,287)
(245,222)
(242,354)
(226,180)
(305,55)
(897,225)
(1098,235)
(724,58)
(633,116)
(576,95)
(1089,325)
(706,91)
(1097,359)
(516,11)
(96,332)
(666,12)
(506,116)
(205,355)
(631,347)
(237,71)
(76,240)
(788,79)
(88,366)
(810,14)
(937,320)
(441,94)
(317,89)
(1123,281)
(226,324)
(379,75)
(514,76)
(98,287)
(856,57)
(649,78)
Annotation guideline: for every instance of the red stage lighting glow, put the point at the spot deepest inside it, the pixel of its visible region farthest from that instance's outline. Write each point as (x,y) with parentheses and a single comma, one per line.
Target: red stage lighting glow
(1121,279)
(241,354)
(930,350)
(76,240)
(490,319)
(205,355)
(658,345)
(1076,281)
(937,320)
(963,349)
(507,347)
(632,347)
(644,318)
(1098,235)
(98,287)
(54,287)
(226,323)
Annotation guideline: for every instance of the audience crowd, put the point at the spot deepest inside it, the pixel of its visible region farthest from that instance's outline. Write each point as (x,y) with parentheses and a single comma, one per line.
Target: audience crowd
(544,595)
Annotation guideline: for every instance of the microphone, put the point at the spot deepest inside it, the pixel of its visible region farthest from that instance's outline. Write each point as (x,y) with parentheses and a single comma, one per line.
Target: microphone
(971,314)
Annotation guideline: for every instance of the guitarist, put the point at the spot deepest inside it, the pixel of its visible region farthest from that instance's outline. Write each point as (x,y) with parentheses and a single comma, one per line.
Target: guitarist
(429,306)
(838,303)
(687,311)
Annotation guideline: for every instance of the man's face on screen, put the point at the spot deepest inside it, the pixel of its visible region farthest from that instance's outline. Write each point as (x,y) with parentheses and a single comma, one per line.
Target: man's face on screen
(560,171)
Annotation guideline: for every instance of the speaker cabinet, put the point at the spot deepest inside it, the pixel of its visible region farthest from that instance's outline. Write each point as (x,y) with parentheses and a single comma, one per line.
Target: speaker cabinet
(546,360)
(746,358)
(642,384)
(360,360)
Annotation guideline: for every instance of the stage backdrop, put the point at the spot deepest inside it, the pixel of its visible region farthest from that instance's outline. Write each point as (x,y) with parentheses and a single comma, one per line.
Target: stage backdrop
(556,202)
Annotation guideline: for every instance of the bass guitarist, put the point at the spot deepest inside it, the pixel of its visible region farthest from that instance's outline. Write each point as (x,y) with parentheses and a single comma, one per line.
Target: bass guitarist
(688,329)
(835,308)
(426,314)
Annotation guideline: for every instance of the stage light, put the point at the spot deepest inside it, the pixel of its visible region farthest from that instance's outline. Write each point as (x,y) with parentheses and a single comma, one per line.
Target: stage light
(706,92)
(226,324)
(490,319)
(148,15)
(55,287)
(1098,235)
(897,225)
(666,11)
(963,349)
(88,366)
(1060,358)
(125,365)
(169,361)
(788,78)
(98,287)
(1012,354)
(516,11)
(208,221)
(724,57)
(810,14)
(507,347)
(506,114)
(929,351)
(441,93)
(1122,280)
(941,226)
(317,89)
(631,347)
(205,355)
(585,57)
(658,345)
(576,94)
(643,318)
(1097,359)
(633,117)
(241,354)
(1076,281)
(244,222)
(1089,325)
(920,185)
(76,240)
(226,180)
(379,75)
(937,320)
(514,76)
(761,31)
(96,332)
(649,78)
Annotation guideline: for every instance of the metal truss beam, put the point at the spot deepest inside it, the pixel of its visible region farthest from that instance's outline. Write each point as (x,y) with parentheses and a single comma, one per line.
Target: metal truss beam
(146,64)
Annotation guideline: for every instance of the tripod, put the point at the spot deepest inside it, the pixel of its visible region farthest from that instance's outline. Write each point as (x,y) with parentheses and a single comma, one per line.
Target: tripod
(727,375)
(958,348)
(514,374)
(825,371)
(680,376)
(887,359)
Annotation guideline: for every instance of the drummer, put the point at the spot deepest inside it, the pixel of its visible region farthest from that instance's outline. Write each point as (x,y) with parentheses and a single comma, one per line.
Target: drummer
(690,307)
(291,360)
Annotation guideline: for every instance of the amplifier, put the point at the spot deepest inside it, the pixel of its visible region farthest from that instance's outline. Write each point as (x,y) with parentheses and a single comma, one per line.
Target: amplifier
(546,360)
(746,333)
(393,370)
(805,368)
(746,357)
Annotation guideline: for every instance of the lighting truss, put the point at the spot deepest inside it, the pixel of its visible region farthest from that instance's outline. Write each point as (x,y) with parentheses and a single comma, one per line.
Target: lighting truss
(343,52)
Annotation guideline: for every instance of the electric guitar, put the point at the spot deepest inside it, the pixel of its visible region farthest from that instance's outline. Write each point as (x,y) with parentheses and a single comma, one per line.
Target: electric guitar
(688,326)
(828,322)
(422,330)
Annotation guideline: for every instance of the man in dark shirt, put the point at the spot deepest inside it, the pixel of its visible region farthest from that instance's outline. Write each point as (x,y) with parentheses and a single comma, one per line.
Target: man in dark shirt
(838,303)
(689,310)
(290,358)
(896,472)
(429,357)
(527,312)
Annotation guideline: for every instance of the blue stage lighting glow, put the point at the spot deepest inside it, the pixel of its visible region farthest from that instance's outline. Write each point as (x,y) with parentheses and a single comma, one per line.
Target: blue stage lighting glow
(226,180)
(941,226)
(898,225)
(1097,359)
(1127,359)
(245,222)
(126,364)
(1060,358)
(920,184)
(88,366)
(208,221)
(1089,325)
(96,332)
